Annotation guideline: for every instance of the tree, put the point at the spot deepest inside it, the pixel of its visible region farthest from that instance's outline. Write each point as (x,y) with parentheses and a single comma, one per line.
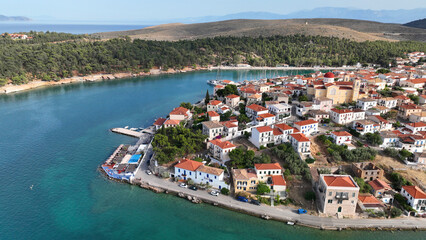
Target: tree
(363,186)
(262,188)
(242,118)
(207,98)
(414,98)
(224,191)
(383,71)
(374,138)
(186,105)
(303,98)
(309,196)
(395,212)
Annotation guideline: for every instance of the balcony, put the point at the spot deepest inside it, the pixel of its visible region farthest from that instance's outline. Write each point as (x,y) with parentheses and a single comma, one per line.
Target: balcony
(342,196)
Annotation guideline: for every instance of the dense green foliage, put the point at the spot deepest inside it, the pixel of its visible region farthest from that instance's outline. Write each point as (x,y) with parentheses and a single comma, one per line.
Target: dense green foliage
(383,70)
(262,188)
(186,105)
(224,191)
(228,90)
(403,202)
(374,138)
(241,158)
(309,196)
(363,186)
(395,212)
(32,59)
(398,181)
(291,159)
(342,153)
(170,143)
(414,98)
(401,155)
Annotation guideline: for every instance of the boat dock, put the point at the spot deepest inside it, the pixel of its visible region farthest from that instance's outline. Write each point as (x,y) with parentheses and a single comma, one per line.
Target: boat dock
(127,132)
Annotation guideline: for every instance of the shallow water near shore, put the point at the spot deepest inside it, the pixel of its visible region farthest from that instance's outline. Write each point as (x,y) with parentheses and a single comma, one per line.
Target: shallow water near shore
(55,138)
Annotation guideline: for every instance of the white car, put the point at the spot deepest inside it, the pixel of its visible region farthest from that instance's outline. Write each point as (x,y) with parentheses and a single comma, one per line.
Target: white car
(148,172)
(214,193)
(183,185)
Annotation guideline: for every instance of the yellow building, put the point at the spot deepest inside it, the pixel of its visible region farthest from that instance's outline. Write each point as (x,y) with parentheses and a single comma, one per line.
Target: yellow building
(245,180)
(340,92)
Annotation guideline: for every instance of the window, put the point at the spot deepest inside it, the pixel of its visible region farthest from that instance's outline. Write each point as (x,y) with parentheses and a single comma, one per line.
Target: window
(330,193)
(353,194)
(330,201)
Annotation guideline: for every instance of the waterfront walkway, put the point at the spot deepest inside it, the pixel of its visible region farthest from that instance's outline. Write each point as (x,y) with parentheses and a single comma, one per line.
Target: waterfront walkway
(127,132)
(281,213)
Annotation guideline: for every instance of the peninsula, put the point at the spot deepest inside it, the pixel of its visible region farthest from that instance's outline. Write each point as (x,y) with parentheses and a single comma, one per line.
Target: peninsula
(335,150)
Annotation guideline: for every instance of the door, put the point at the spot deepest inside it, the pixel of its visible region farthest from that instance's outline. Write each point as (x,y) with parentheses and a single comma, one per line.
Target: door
(339,209)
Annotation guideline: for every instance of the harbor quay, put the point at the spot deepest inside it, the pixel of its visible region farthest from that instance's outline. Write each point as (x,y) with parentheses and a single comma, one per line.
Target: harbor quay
(280,149)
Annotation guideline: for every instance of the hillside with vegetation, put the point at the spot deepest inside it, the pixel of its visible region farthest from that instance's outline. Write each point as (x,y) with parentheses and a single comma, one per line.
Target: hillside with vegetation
(55,56)
(421,23)
(356,30)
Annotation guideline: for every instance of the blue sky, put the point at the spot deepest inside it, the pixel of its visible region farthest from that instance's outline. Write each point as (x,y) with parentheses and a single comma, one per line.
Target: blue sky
(141,10)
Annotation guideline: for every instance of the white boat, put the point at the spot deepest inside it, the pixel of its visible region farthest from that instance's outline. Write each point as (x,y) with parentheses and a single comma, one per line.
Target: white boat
(290,223)
(133,129)
(126,127)
(213,82)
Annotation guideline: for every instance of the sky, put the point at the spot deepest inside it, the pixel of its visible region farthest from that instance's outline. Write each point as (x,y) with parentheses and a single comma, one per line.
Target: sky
(142,10)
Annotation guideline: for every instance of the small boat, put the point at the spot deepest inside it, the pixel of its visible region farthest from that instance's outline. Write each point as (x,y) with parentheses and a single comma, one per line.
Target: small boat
(290,223)
(133,129)
(213,82)
(126,127)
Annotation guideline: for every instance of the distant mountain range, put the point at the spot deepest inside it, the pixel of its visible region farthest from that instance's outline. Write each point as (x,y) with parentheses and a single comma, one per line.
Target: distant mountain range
(417,24)
(385,16)
(4,18)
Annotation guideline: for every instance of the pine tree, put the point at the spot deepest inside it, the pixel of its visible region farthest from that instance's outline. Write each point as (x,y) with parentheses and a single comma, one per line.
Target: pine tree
(207,99)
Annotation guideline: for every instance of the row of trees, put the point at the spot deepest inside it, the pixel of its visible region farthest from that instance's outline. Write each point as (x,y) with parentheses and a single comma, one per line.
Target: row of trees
(292,161)
(342,153)
(241,158)
(66,56)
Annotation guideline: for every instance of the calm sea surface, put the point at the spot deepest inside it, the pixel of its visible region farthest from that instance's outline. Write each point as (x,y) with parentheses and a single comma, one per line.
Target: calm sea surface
(55,138)
(12,27)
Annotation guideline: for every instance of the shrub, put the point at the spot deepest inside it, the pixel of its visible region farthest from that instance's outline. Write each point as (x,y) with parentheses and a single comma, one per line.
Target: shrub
(310,160)
(224,191)
(395,212)
(262,188)
(309,196)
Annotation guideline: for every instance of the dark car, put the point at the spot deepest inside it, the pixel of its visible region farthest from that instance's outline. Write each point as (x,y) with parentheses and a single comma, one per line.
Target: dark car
(255,202)
(242,199)
(193,188)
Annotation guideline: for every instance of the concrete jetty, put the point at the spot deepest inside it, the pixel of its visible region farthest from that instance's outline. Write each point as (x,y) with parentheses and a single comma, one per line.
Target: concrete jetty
(127,132)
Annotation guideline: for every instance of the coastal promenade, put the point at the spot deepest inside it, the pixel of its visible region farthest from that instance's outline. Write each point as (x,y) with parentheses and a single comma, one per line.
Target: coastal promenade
(279,213)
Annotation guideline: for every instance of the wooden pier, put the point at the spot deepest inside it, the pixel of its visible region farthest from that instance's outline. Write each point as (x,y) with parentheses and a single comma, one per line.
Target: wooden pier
(127,132)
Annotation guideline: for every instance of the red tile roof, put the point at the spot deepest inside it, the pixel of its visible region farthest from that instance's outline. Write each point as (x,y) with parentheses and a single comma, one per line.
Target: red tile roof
(277,132)
(378,184)
(159,121)
(257,108)
(278,180)
(179,111)
(339,181)
(306,122)
(340,111)
(368,199)
(300,137)
(189,165)
(171,122)
(342,134)
(417,124)
(215,102)
(213,114)
(266,115)
(222,145)
(267,166)
(264,129)
(283,126)
(415,192)
(232,96)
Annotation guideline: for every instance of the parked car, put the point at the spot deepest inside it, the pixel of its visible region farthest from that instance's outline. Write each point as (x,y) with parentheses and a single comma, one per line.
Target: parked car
(255,202)
(183,185)
(148,172)
(242,199)
(302,211)
(193,188)
(214,193)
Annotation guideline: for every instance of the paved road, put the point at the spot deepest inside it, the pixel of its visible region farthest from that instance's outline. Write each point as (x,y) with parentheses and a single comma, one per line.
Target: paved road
(281,212)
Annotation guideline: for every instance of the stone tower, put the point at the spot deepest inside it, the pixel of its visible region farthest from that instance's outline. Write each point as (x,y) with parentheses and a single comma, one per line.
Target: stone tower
(355,92)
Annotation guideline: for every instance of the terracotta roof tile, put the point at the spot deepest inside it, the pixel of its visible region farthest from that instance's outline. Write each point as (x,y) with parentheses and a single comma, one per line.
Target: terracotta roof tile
(339,181)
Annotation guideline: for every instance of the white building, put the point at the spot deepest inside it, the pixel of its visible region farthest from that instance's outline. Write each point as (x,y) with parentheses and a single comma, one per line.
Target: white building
(341,116)
(300,143)
(253,111)
(416,127)
(341,138)
(388,102)
(365,126)
(212,129)
(307,126)
(416,198)
(213,116)
(265,119)
(366,103)
(282,133)
(280,110)
(214,105)
(232,100)
(390,139)
(261,136)
(220,150)
(265,170)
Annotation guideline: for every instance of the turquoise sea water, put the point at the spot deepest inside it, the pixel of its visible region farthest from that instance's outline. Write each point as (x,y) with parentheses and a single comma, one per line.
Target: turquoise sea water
(55,138)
